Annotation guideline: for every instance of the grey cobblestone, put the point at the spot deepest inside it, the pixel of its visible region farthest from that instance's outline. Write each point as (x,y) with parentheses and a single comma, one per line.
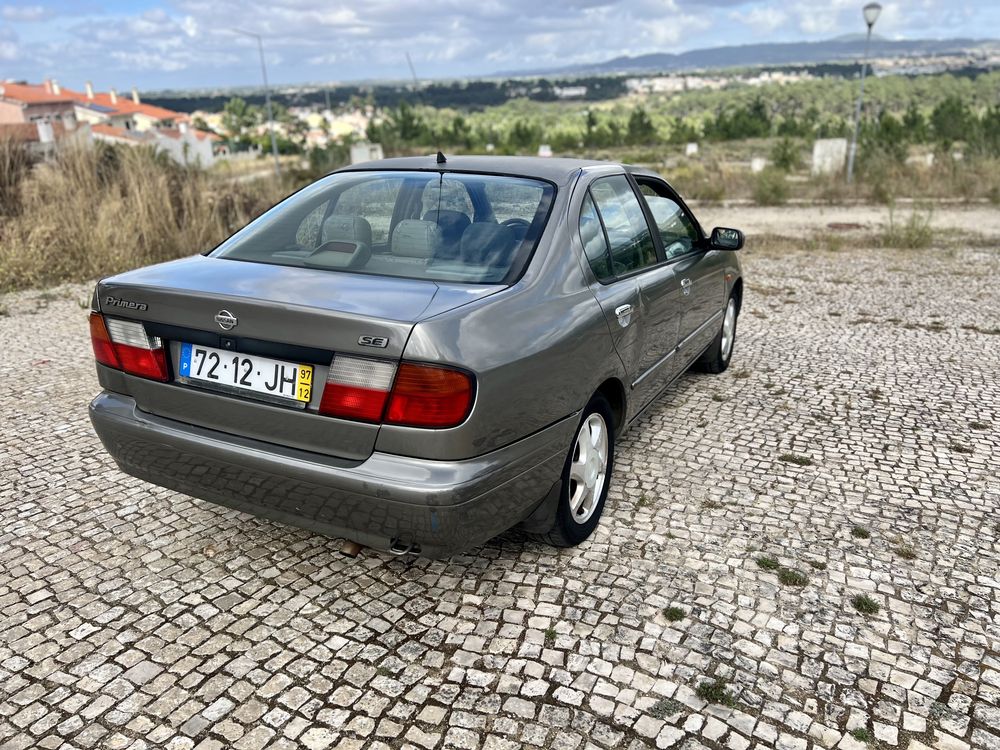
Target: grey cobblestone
(855,440)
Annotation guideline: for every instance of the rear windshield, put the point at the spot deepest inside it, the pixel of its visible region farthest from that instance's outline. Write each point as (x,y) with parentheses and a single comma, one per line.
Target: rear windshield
(472,228)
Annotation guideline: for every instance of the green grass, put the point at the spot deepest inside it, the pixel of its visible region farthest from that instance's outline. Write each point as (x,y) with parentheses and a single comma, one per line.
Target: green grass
(860,532)
(865,604)
(715,692)
(674,614)
(767,563)
(790,577)
(794,458)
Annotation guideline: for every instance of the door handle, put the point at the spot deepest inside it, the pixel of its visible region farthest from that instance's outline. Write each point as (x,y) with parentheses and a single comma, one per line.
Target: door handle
(624,315)
(686,286)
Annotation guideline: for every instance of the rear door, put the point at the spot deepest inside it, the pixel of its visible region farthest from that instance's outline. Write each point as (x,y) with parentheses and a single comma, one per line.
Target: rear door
(700,272)
(638,292)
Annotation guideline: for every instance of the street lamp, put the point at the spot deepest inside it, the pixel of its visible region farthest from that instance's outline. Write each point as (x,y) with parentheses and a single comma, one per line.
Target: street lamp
(870,12)
(267,96)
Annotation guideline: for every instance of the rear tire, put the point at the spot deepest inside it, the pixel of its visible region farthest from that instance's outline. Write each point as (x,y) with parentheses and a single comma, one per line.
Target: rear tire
(586,476)
(716,358)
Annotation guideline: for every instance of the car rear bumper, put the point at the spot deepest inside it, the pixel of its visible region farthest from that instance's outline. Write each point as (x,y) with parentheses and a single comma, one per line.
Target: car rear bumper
(442,506)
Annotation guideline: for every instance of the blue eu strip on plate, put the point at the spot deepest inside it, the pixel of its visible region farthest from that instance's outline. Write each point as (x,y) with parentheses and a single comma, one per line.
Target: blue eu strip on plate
(185,360)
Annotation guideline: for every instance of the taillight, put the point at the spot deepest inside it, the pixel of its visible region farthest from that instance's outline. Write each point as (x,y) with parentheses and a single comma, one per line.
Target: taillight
(429,396)
(104,350)
(357,388)
(417,395)
(124,345)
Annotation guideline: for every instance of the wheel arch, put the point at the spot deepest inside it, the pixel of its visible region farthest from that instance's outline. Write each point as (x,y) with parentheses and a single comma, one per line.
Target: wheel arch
(614,391)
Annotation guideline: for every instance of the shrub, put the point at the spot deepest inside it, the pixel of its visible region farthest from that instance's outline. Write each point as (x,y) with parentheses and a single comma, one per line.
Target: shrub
(96,211)
(770,188)
(785,155)
(915,234)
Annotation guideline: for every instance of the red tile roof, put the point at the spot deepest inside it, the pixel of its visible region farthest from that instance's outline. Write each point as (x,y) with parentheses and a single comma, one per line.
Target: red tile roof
(175,133)
(124,105)
(32,93)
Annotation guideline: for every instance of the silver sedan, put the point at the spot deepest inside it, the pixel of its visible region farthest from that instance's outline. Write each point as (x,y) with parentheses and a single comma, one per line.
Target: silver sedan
(417,354)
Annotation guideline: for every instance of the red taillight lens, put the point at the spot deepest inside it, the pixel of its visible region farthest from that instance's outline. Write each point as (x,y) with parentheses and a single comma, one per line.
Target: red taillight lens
(357,388)
(146,363)
(104,350)
(429,396)
(124,345)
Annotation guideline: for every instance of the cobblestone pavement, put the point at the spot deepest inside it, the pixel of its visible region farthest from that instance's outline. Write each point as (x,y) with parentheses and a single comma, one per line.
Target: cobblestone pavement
(848,459)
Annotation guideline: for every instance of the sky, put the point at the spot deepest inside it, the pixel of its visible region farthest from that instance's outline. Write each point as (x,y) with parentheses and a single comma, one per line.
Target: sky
(183,44)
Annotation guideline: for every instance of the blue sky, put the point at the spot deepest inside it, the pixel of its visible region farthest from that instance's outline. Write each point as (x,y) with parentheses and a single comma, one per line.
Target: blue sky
(155,44)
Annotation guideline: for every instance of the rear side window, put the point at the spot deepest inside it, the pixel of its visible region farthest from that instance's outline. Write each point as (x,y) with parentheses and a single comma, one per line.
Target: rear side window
(419,225)
(595,245)
(629,237)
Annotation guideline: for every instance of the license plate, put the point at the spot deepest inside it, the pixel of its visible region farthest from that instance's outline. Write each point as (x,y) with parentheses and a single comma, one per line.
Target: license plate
(257,377)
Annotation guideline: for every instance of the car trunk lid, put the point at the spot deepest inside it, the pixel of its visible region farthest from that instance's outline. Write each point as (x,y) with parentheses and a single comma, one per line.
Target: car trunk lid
(295,315)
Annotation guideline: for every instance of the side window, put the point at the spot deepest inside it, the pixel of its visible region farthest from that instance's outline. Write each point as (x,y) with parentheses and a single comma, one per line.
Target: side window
(628,234)
(677,230)
(594,243)
(307,235)
(374,201)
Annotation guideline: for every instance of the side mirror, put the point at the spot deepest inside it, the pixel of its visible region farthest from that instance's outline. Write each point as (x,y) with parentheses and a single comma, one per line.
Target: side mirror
(726,239)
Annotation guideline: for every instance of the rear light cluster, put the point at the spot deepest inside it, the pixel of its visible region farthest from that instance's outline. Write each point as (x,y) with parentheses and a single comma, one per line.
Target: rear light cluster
(411,395)
(124,345)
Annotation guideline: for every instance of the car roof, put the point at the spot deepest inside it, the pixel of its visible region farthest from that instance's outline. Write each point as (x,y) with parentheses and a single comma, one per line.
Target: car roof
(553,169)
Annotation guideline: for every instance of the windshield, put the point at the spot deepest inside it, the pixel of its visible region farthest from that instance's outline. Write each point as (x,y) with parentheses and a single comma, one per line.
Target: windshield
(439,226)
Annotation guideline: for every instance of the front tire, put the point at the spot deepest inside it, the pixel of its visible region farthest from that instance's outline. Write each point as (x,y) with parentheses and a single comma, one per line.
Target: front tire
(586,476)
(716,358)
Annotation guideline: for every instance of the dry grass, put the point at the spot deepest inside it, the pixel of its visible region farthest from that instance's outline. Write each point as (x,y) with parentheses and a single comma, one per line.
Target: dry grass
(100,210)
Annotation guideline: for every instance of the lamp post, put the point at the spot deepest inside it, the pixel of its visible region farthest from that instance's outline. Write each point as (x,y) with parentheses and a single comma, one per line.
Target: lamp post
(870,12)
(267,97)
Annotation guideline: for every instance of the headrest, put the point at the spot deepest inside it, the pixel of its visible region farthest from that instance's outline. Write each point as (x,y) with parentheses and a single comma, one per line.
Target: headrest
(486,243)
(346,227)
(416,239)
(452,223)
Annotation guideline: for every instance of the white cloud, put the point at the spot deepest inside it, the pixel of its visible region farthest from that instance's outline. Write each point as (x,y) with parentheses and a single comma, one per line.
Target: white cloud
(25,13)
(760,18)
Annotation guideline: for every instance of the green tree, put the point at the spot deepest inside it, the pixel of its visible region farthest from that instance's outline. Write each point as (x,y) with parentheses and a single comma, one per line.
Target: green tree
(238,117)
(951,121)
(640,130)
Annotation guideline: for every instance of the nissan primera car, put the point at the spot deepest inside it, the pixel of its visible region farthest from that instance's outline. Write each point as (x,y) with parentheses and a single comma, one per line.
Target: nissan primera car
(417,354)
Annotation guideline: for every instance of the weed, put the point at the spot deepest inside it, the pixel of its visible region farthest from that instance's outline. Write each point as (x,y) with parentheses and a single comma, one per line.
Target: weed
(794,458)
(959,448)
(817,564)
(643,501)
(767,563)
(915,234)
(719,397)
(665,707)
(741,374)
(906,552)
(860,532)
(384,671)
(550,637)
(789,577)
(977,425)
(862,735)
(865,604)
(674,614)
(715,692)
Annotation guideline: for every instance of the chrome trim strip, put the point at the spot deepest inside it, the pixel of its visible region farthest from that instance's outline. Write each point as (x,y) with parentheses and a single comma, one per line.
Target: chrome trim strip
(699,329)
(677,348)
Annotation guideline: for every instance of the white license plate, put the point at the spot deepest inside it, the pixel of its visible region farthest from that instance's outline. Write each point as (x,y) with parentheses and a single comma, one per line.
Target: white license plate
(260,377)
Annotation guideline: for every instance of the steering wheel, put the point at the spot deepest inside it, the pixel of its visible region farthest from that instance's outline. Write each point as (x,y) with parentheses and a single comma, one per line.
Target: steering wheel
(516,223)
